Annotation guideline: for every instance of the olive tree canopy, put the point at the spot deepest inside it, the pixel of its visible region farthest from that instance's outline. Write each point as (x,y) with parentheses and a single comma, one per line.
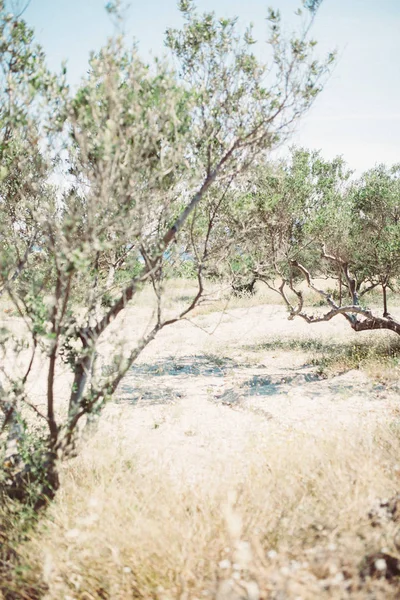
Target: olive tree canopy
(99,187)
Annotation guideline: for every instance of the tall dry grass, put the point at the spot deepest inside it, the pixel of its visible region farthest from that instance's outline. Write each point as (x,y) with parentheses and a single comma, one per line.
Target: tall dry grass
(290,522)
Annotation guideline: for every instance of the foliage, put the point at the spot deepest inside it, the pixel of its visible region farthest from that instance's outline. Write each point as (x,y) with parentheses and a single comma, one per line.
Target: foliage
(305,217)
(376,220)
(103,190)
(276,214)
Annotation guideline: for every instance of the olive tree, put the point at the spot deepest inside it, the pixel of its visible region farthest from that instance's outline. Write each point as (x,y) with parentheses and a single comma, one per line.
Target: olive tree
(308,219)
(270,217)
(376,224)
(358,235)
(101,187)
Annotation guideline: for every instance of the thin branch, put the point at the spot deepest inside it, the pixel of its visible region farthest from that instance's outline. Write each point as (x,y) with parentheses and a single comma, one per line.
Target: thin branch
(368,289)
(21,12)
(369,322)
(35,409)
(28,370)
(322,293)
(52,364)
(351,281)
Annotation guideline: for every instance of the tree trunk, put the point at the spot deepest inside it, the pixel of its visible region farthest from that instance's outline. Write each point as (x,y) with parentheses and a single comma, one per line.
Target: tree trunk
(244,289)
(385,308)
(375,323)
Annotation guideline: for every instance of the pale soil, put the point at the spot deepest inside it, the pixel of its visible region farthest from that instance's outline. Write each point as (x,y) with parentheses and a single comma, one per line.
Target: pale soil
(225,460)
(218,387)
(216,383)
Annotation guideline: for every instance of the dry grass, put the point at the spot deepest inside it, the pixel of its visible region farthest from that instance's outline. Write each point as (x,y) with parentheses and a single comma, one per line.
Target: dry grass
(378,357)
(178,294)
(289,521)
(218,296)
(292,520)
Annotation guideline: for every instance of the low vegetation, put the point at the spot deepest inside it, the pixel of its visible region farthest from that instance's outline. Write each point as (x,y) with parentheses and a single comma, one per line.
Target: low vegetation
(142,200)
(100,193)
(297,517)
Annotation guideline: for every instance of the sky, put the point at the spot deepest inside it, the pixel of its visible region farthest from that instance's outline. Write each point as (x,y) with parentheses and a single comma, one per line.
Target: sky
(356,116)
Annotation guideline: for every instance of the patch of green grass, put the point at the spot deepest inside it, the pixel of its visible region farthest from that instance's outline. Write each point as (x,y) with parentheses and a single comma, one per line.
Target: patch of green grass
(296,344)
(381,361)
(379,358)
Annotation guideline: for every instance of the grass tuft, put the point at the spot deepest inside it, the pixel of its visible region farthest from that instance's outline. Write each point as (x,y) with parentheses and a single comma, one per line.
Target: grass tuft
(293,518)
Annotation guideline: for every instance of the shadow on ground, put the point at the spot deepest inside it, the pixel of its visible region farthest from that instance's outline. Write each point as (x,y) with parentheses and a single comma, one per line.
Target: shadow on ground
(165,381)
(264,386)
(204,365)
(147,382)
(227,381)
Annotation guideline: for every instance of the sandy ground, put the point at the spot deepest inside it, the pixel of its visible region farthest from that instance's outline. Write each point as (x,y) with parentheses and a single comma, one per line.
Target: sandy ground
(222,383)
(220,386)
(210,403)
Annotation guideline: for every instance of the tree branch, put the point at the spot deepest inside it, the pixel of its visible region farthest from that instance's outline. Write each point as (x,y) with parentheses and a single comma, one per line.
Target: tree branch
(350,312)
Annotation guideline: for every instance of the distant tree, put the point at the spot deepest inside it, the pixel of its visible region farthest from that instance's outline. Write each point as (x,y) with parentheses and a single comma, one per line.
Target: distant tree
(269,219)
(360,241)
(376,226)
(306,219)
(100,189)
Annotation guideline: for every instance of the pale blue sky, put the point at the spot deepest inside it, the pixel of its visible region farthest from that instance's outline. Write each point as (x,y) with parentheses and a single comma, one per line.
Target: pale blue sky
(357,115)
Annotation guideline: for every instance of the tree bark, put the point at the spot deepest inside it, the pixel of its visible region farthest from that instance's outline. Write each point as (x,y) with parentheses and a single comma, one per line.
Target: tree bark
(384,294)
